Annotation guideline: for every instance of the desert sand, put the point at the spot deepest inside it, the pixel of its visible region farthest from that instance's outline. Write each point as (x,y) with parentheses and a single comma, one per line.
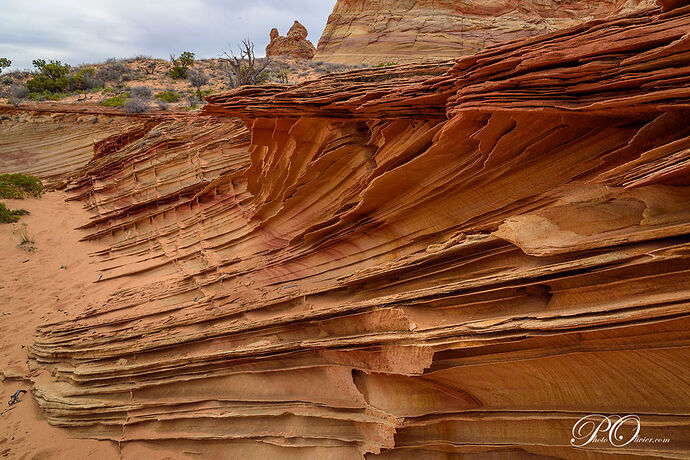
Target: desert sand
(42,282)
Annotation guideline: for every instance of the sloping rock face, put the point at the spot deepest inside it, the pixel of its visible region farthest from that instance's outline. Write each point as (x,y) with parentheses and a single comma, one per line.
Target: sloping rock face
(28,141)
(294,45)
(383,31)
(453,260)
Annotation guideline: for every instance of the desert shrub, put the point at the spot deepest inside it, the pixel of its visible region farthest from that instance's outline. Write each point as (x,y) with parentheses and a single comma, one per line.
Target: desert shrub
(193,101)
(180,66)
(197,78)
(17,186)
(136,105)
(14,77)
(168,96)
(150,67)
(115,101)
(108,89)
(141,92)
(114,71)
(163,105)
(280,76)
(92,82)
(7,216)
(386,64)
(18,93)
(22,232)
(45,96)
(51,77)
(327,68)
(178,73)
(85,79)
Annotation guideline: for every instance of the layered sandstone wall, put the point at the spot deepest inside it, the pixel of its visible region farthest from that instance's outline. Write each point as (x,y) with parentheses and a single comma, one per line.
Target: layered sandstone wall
(382,31)
(53,145)
(453,260)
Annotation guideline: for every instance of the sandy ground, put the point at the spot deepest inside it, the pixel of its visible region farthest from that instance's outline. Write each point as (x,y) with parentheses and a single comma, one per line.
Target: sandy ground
(49,279)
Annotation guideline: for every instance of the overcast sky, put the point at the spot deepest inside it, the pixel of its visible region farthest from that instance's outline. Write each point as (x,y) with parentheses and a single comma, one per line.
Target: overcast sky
(88,31)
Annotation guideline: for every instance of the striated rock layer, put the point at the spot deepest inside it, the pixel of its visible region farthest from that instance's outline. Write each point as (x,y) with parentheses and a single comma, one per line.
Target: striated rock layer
(295,44)
(383,31)
(28,140)
(440,261)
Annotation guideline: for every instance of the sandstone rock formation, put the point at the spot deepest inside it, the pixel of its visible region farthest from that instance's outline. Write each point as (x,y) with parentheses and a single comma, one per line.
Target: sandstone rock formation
(27,141)
(382,31)
(452,260)
(294,45)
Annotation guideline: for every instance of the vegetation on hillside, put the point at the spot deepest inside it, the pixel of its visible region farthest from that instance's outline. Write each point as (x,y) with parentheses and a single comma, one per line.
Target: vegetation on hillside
(168,96)
(182,82)
(181,65)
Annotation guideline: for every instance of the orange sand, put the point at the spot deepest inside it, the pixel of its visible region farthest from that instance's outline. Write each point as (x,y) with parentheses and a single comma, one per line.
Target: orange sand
(34,290)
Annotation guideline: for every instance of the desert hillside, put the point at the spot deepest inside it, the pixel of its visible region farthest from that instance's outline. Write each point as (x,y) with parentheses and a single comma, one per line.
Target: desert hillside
(115,82)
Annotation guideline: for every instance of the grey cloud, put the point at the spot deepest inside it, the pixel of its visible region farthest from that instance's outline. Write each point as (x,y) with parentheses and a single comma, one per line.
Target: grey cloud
(80,32)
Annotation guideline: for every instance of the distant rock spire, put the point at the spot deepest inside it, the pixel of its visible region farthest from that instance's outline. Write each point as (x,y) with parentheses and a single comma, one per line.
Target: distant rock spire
(295,44)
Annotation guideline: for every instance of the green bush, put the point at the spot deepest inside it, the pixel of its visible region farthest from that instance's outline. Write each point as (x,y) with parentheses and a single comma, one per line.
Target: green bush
(116,101)
(181,65)
(186,59)
(17,186)
(178,73)
(168,96)
(45,96)
(85,79)
(386,64)
(51,77)
(7,216)
(107,90)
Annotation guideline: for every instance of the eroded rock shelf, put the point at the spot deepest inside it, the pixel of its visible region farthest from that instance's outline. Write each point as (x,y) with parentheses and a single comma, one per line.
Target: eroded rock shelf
(429,261)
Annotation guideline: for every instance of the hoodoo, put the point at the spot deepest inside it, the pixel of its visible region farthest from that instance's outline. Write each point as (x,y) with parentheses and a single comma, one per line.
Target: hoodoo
(294,45)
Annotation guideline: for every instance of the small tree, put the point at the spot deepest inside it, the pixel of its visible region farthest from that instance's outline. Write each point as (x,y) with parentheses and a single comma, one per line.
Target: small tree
(51,77)
(4,62)
(181,65)
(245,69)
(186,59)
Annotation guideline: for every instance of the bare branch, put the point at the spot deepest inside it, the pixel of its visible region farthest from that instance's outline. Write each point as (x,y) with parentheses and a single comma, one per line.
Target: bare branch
(245,69)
